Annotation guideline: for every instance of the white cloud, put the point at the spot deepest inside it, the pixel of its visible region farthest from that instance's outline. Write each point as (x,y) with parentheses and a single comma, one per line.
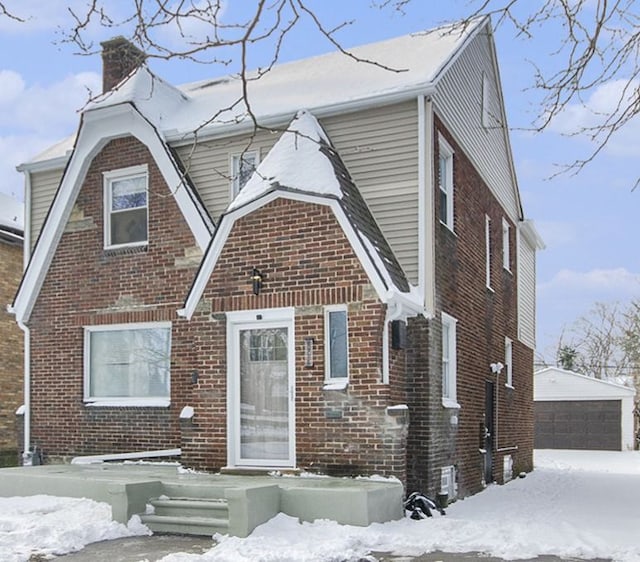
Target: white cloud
(557,233)
(619,281)
(606,100)
(37,15)
(49,109)
(34,116)
(11,86)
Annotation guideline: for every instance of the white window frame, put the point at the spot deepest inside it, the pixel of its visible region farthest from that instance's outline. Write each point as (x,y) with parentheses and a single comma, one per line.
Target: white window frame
(121,174)
(138,401)
(446,188)
(449,390)
(508,362)
(327,346)
(234,168)
(487,249)
(506,244)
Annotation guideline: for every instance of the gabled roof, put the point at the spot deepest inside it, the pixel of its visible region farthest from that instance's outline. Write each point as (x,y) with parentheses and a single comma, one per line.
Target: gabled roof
(383,72)
(554,383)
(97,128)
(303,165)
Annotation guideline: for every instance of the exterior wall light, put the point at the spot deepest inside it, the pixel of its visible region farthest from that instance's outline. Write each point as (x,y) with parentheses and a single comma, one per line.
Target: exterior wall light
(256,280)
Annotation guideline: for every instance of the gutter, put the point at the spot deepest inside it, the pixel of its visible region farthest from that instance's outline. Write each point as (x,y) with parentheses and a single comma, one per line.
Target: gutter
(178,138)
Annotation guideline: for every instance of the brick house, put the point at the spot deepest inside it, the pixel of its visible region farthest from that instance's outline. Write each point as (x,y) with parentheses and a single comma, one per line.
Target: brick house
(348,290)
(11,340)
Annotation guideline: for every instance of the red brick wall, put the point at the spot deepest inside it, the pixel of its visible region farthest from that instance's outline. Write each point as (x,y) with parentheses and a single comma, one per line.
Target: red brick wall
(11,349)
(484,319)
(308,263)
(87,285)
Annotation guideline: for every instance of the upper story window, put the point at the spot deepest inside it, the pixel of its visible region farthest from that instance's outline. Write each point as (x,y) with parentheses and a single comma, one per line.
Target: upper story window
(487,245)
(242,166)
(445,182)
(508,361)
(506,245)
(126,207)
(449,363)
(127,364)
(336,343)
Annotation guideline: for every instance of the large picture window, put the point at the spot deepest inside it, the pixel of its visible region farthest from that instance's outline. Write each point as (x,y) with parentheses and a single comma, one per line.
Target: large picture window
(126,207)
(337,345)
(128,363)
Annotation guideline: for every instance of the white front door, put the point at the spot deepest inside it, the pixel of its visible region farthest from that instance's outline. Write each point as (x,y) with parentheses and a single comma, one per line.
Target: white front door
(261,384)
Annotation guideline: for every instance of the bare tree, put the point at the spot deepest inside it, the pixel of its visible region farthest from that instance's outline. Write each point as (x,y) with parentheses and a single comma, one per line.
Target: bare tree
(605,343)
(597,43)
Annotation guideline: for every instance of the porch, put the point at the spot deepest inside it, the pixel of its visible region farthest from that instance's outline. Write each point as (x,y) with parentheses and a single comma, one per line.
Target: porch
(203,504)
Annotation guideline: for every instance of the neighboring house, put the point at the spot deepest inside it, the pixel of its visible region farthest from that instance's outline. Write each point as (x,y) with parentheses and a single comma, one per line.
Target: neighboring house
(573,411)
(11,338)
(362,304)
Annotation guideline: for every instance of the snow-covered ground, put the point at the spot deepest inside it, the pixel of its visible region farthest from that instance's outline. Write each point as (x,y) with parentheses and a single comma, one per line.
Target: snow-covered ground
(582,504)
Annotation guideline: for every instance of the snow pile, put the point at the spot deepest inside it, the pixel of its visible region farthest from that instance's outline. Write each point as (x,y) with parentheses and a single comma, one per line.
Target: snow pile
(577,504)
(48,525)
(581,504)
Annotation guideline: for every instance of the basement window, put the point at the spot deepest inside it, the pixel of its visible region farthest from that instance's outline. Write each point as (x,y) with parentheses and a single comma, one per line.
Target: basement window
(126,207)
(127,364)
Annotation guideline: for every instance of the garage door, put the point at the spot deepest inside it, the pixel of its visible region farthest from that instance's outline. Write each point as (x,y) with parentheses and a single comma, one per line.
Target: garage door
(588,424)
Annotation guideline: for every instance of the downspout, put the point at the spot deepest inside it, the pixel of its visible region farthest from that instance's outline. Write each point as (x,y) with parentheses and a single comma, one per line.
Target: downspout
(426,211)
(26,254)
(27,392)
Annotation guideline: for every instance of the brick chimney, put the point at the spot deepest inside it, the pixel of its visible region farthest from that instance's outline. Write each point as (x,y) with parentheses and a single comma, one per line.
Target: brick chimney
(119,58)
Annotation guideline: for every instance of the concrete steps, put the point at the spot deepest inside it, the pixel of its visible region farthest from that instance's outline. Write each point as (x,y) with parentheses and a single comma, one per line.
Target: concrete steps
(188,515)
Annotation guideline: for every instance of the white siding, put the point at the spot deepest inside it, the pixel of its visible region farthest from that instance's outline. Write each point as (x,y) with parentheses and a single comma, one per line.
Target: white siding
(208,165)
(526,261)
(459,103)
(43,189)
(380,149)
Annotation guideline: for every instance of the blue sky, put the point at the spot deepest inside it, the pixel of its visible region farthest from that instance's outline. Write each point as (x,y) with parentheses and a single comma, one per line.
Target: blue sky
(590,222)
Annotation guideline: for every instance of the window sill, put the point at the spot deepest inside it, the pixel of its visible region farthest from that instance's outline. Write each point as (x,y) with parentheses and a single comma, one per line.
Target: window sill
(449,228)
(448,403)
(128,403)
(126,250)
(341,384)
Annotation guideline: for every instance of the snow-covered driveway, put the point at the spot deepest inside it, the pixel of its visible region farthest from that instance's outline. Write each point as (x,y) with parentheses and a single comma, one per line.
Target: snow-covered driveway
(582,504)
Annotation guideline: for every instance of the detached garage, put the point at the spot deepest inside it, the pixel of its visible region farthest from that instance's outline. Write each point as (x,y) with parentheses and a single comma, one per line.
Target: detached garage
(573,411)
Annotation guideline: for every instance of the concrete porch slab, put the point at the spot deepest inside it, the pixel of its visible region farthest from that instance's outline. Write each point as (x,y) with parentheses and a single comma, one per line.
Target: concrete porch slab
(252,500)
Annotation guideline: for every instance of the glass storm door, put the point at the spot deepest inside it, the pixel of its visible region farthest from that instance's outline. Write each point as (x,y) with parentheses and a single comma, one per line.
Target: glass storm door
(263,433)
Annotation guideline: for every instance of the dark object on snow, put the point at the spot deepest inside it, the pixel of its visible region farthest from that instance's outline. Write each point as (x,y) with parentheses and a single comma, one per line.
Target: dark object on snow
(421,506)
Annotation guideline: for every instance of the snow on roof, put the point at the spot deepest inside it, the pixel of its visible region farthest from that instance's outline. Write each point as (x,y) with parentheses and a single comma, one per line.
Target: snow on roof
(11,213)
(404,64)
(295,162)
(303,160)
(154,98)
(397,65)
